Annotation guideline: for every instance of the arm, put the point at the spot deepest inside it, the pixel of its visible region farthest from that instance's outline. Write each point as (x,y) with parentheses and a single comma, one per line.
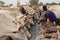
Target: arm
(42,18)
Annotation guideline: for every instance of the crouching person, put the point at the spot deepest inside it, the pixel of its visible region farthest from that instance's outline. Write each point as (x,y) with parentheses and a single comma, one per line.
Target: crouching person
(49,16)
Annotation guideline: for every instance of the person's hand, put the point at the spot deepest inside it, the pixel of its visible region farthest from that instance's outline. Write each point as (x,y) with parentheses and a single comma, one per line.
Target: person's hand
(41,18)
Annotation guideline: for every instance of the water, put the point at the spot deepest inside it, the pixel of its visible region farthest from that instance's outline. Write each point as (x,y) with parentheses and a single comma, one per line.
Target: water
(34,31)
